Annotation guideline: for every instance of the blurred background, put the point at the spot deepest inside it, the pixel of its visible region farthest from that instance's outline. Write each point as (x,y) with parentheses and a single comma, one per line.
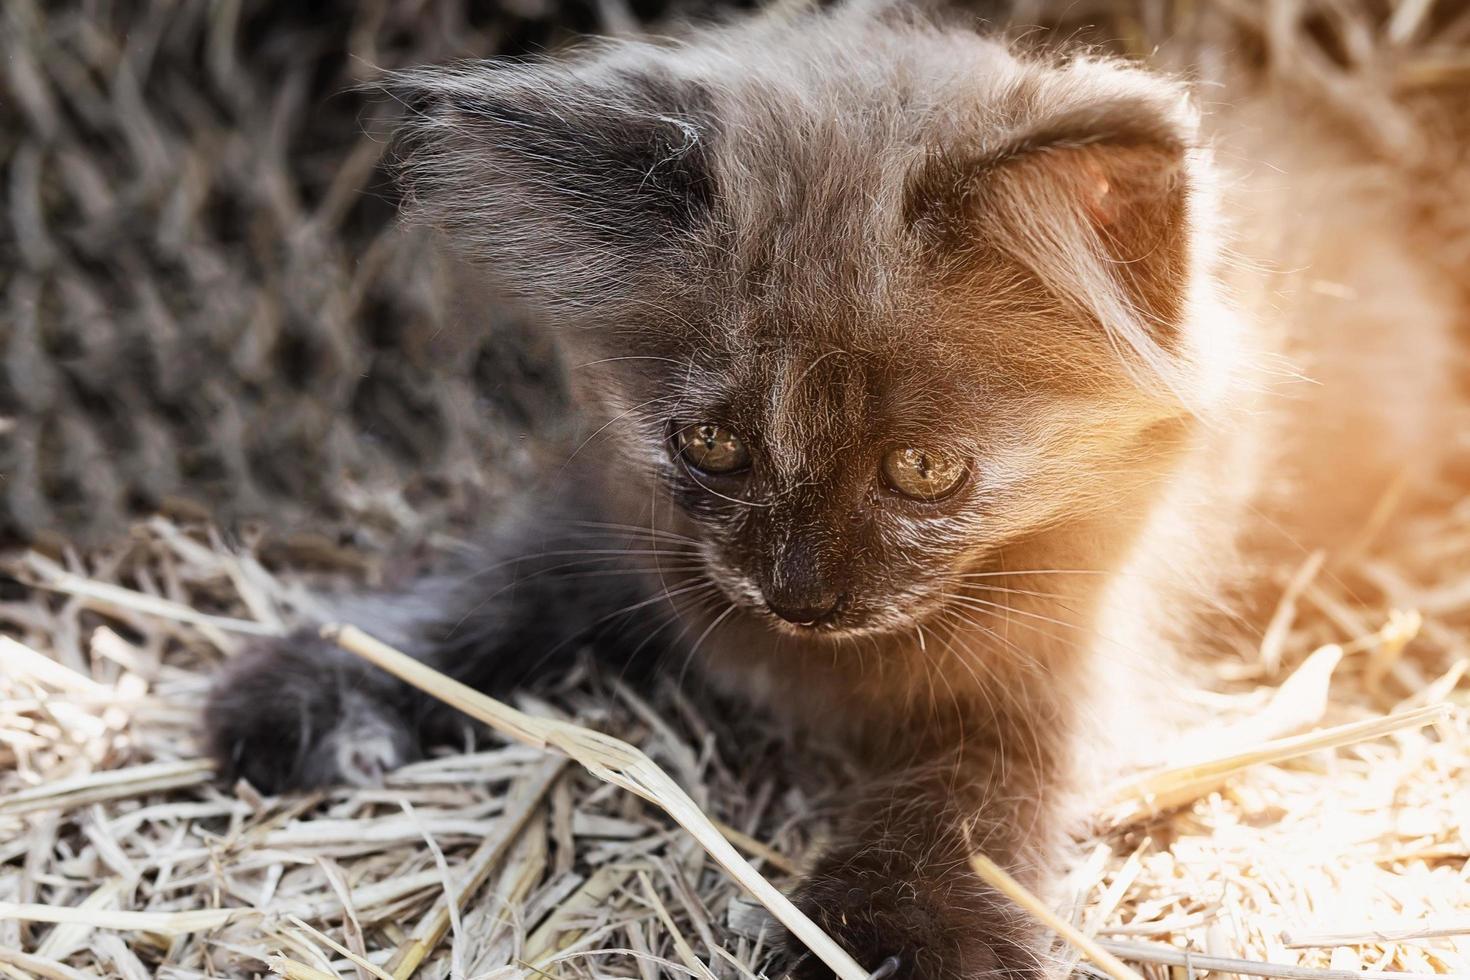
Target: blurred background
(207,306)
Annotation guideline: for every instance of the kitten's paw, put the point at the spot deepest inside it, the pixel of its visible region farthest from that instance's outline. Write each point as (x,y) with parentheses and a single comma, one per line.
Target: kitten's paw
(948,929)
(300,713)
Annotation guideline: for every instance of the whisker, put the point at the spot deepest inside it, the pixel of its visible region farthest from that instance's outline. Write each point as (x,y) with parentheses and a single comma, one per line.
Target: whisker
(985,604)
(996,573)
(1105,644)
(625,357)
(636,529)
(668,596)
(599,554)
(713,492)
(1026,592)
(632,570)
(672,616)
(689,659)
(1026,658)
(522,580)
(610,423)
(1008,698)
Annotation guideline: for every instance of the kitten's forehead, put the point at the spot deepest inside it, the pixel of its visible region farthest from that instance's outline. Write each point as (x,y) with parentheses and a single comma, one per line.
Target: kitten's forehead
(817,406)
(814,154)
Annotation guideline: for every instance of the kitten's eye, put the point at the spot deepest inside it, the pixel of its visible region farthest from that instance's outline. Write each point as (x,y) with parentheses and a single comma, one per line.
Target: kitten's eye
(711,448)
(922,473)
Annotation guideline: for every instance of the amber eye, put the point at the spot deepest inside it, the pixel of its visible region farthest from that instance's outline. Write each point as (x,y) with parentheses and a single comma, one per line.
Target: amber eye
(922,473)
(711,448)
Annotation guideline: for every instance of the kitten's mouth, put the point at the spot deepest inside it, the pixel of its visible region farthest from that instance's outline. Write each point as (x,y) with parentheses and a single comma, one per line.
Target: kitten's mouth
(812,627)
(806,617)
(843,625)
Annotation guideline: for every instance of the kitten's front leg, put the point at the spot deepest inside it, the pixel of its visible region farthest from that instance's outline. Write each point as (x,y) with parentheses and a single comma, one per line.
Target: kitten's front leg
(897,881)
(299,712)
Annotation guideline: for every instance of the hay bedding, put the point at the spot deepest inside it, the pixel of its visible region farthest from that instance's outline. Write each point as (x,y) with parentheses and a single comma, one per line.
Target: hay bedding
(119,857)
(1351,859)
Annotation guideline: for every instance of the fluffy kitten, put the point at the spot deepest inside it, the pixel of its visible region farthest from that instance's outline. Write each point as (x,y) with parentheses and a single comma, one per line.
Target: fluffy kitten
(917,410)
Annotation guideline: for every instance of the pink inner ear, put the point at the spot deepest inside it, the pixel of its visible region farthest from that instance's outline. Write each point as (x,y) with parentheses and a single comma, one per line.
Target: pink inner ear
(1059,208)
(1112,183)
(1101,207)
(1097,178)
(1085,172)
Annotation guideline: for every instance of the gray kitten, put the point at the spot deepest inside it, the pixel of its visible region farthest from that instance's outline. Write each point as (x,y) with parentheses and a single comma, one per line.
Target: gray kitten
(921,407)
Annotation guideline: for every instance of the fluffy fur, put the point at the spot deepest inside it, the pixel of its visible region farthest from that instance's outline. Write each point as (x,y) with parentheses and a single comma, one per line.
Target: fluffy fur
(836,236)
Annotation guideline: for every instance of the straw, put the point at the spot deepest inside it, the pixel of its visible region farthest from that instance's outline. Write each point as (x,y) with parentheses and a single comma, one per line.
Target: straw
(612,760)
(995,876)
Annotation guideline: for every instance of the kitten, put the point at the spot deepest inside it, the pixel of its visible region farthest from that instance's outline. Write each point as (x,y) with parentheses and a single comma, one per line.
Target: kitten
(918,410)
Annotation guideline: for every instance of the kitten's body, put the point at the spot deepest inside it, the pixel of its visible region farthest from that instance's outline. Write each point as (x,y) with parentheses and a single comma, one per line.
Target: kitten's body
(838,238)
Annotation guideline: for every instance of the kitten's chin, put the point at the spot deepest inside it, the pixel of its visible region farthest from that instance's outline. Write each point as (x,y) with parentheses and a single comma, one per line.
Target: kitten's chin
(844,626)
(785,627)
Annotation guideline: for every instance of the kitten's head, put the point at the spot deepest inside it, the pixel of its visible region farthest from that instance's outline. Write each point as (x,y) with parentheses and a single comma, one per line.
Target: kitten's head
(871,301)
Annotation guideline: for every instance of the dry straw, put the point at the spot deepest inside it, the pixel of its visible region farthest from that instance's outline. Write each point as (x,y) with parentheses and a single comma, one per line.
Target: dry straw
(621,764)
(1171,788)
(1002,882)
(1258,741)
(614,761)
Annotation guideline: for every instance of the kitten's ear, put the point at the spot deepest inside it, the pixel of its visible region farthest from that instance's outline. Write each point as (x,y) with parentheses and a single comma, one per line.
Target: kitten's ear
(1091,188)
(570,181)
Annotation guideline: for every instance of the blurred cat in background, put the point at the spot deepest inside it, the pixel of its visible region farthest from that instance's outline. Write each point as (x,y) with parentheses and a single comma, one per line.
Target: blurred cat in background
(927,385)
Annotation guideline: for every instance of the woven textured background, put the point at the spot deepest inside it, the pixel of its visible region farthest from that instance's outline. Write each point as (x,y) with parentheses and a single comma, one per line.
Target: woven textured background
(205,296)
(206,302)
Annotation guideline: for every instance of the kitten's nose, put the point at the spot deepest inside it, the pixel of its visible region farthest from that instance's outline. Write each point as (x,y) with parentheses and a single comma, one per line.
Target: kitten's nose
(806,610)
(804,587)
